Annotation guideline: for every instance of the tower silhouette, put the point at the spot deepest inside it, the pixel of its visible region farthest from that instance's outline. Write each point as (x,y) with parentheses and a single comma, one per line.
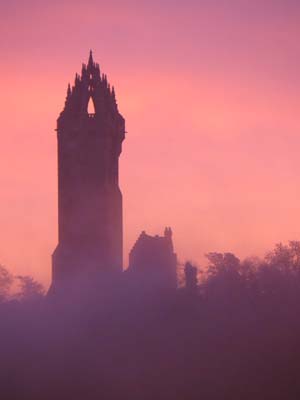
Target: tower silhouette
(90,131)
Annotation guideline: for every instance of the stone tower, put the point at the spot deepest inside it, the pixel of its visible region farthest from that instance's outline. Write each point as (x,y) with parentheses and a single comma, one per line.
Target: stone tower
(89,197)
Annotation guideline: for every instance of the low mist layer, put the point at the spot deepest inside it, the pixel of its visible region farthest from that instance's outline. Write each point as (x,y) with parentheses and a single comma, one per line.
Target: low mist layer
(233,334)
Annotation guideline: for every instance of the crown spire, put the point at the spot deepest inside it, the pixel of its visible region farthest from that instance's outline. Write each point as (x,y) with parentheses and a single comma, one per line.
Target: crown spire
(91,82)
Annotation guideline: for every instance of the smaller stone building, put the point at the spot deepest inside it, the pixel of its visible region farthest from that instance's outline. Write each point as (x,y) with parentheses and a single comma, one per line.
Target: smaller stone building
(152,260)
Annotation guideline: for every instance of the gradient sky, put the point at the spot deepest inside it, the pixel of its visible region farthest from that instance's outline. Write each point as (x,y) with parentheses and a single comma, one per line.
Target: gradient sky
(210,92)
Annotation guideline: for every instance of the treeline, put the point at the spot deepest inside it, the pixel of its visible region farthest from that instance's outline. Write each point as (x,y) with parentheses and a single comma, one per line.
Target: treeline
(19,287)
(275,275)
(225,275)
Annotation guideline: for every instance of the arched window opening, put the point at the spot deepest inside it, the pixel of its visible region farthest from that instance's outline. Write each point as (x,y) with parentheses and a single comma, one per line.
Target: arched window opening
(91,106)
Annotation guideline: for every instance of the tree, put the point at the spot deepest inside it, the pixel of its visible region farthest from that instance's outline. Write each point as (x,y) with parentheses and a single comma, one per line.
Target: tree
(30,289)
(6,280)
(222,263)
(224,278)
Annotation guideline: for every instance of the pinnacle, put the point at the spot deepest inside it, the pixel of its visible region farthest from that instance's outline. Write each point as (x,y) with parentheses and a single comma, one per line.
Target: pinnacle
(91,61)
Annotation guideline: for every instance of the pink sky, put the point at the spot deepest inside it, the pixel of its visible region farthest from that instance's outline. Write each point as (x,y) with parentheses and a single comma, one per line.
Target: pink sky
(210,94)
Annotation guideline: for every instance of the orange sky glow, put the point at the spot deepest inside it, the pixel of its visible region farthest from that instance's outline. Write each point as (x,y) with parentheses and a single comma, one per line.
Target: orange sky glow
(210,94)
